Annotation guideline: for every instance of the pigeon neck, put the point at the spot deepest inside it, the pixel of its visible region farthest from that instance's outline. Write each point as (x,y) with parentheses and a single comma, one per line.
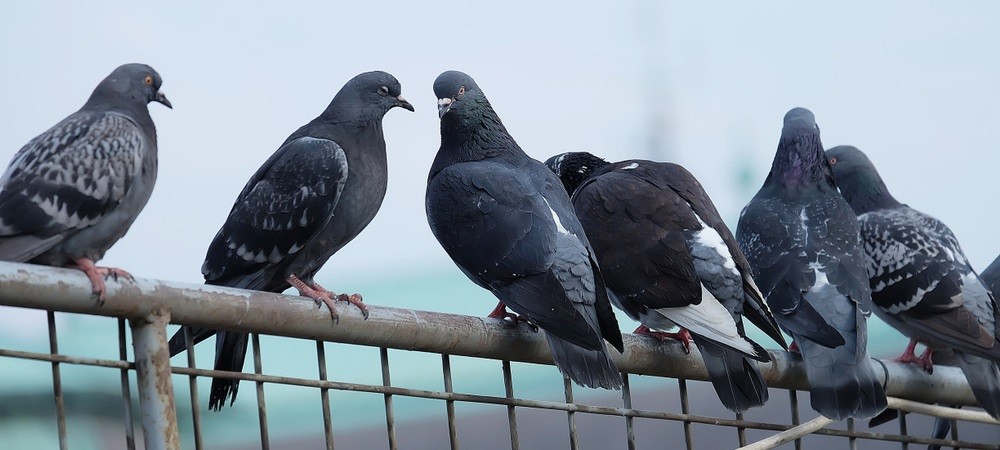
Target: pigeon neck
(135,109)
(476,133)
(800,162)
(865,191)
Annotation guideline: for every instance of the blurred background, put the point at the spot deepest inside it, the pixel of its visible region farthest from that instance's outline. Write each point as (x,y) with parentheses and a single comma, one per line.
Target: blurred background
(913,84)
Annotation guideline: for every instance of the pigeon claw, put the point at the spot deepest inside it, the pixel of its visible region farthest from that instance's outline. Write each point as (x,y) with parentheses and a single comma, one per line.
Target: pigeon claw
(355,299)
(924,361)
(97,275)
(500,312)
(683,336)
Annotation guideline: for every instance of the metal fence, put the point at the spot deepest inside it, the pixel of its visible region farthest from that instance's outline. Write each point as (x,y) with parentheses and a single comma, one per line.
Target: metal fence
(149,305)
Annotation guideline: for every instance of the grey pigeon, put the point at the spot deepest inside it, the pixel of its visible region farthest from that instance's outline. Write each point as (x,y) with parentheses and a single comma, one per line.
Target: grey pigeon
(922,283)
(73,191)
(661,242)
(315,194)
(507,222)
(801,240)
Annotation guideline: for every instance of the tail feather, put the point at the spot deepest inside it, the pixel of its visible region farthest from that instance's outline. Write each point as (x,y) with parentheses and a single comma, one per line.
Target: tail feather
(842,384)
(984,379)
(591,368)
(734,375)
(178,344)
(230,353)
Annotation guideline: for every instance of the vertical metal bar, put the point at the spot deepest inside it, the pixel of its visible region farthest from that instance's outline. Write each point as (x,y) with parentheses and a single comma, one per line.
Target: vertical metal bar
(156,389)
(741,433)
(57,383)
(390,417)
(508,384)
(954,432)
(570,415)
(449,404)
(793,402)
(853,440)
(682,388)
(629,420)
(902,430)
(193,384)
(126,389)
(324,394)
(265,440)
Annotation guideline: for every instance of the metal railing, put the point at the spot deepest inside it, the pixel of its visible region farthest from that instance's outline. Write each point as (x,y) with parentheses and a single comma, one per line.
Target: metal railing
(149,305)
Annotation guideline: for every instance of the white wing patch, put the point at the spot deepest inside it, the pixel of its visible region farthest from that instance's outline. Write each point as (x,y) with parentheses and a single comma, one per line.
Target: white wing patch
(555,218)
(711,238)
(631,166)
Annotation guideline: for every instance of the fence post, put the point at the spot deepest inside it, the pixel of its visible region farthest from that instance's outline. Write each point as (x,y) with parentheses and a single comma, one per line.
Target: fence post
(156,390)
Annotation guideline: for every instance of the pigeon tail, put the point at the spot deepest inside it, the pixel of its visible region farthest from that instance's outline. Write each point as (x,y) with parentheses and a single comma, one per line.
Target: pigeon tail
(984,379)
(841,385)
(736,379)
(178,344)
(590,368)
(230,352)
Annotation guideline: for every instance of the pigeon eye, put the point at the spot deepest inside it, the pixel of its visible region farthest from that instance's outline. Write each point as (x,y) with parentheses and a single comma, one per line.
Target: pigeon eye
(148,80)
(461,90)
(383,90)
(833,160)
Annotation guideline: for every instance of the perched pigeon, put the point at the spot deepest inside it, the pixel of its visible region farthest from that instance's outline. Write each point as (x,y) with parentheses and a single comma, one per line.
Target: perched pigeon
(922,283)
(73,191)
(991,277)
(507,222)
(310,198)
(801,240)
(660,240)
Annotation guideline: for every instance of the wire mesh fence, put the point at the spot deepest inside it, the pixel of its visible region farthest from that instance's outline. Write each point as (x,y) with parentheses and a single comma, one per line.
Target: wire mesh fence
(439,381)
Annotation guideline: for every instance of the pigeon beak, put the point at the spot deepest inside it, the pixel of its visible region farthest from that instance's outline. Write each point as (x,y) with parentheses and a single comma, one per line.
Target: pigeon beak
(402,103)
(444,105)
(161,98)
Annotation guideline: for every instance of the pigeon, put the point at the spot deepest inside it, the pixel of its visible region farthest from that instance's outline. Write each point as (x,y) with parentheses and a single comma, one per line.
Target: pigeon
(315,194)
(801,240)
(73,191)
(660,242)
(508,224)
(921,281)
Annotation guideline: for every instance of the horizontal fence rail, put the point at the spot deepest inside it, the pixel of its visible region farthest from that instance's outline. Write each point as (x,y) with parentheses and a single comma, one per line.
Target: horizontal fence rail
(148,304)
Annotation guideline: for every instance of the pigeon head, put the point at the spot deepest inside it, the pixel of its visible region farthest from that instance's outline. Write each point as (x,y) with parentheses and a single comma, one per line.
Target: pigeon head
(858,179)
(370,94)
(456,90)
(129,86)
(574,167)
(800,159)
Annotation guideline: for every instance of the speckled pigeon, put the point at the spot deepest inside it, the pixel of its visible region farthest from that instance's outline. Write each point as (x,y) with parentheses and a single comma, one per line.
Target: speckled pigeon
(660,242)
(315,194)
(73,191)
(922,283)
(507,222)
(801,240)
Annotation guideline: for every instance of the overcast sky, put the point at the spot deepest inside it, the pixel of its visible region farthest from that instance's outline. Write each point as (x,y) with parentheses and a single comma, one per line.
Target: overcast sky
(913,84)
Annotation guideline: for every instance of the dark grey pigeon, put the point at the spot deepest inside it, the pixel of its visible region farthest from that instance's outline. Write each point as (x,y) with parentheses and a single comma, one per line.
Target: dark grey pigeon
(73,191)
(507,222)
(660,242)
(315,194)
(801,240)
(922,283)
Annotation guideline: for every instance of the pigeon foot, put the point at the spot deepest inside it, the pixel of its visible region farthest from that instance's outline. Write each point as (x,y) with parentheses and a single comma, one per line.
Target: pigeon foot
(683,336)
(909,357)
(97,275)
(500,312)
(321,297)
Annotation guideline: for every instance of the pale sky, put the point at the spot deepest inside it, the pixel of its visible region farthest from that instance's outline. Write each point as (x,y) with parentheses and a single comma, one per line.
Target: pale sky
(914,84)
